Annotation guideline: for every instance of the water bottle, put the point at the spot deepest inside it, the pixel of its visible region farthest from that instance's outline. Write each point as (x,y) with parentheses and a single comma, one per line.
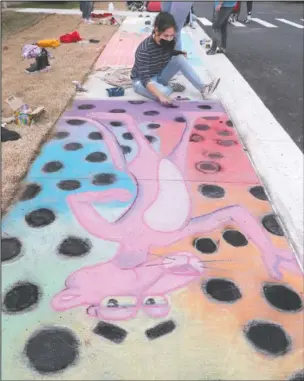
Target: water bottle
(111,8)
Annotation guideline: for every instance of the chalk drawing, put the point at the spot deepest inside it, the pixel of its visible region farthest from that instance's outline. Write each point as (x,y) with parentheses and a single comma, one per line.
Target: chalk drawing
(146,229)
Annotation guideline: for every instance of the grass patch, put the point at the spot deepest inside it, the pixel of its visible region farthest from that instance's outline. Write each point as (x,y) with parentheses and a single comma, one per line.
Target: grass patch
(13,22)
(53,89)
(47,4)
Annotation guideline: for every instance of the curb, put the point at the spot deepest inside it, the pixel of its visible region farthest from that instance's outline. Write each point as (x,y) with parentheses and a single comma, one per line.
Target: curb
(277,159)
(77,11)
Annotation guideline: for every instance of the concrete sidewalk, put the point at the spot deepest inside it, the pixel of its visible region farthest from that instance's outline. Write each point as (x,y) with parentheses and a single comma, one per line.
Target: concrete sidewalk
(145,247)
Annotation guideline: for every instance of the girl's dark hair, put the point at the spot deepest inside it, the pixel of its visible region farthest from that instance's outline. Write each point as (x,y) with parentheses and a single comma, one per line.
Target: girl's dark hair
(164,21)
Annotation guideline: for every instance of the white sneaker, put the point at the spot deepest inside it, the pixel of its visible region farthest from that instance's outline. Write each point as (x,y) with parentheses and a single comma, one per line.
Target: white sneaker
(247,19)
(89,21)
(210,88)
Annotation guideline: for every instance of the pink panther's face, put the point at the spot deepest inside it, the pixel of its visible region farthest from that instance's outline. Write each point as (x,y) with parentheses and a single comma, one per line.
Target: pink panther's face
(122,307)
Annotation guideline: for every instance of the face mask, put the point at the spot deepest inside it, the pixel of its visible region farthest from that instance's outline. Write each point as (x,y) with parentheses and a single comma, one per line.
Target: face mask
(167,44)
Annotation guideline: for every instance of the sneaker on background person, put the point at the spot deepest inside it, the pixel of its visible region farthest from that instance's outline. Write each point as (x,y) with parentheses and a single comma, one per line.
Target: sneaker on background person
(249,11)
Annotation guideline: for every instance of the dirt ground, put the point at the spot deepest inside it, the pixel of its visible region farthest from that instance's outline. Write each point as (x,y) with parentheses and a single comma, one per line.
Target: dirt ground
(119,5)
(53,90)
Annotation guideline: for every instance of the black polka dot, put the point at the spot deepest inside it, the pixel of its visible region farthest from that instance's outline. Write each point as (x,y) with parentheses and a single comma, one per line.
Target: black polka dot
(151,113)
(259,193)
(153,126)
(226,143)
(151,139)
(126,149)
(282,297)
(127,136)
(40,217)
(204,107)
(205,245)
(235,238)
(224,133)
(61,135)
(10,248)
(180,119)
(229,123)
(95,136)
(116,123)
(137,102)
(20,297)
(86,106)
(73,146)
(118,111)
(52,349)
(196,138)
(161,330)
(215,155)
(110,332)
(104,179)
(208,167)
(271,224)
(69,185)
(298,376)
(75,122)
(31,191)
(222,290)
(74,247)
(268,338)
(201,127)
(212,191)
(52,166)
(211,117)
(96,157)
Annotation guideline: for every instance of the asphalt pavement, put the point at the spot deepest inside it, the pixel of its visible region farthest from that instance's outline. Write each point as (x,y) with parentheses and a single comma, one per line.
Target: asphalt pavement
(269,54)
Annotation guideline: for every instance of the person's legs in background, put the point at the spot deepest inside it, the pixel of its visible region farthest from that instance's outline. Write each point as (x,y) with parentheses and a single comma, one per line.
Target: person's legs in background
(87,8)
(223,46)
(219,34)
(166,6)
(192,18)
(81,4)
(180,11)
(236,12)
(249,11)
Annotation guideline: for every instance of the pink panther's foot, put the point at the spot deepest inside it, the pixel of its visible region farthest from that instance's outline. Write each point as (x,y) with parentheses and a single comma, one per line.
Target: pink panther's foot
(156,306)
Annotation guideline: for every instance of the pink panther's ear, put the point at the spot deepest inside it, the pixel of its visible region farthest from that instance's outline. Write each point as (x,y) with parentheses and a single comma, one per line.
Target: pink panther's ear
(67,299)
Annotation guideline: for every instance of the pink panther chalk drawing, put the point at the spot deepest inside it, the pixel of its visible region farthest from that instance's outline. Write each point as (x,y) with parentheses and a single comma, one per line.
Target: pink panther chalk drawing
(133,279)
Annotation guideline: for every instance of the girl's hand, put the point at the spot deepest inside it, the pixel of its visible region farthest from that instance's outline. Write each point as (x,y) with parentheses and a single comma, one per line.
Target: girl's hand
(165,100)
(218,7)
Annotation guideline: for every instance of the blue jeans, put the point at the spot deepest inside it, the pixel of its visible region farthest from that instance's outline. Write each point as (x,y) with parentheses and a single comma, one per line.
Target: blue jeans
(179,10)
(161,81)
(86,8)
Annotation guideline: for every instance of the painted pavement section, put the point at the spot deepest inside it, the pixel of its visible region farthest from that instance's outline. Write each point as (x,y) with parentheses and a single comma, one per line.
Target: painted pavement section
(144,246)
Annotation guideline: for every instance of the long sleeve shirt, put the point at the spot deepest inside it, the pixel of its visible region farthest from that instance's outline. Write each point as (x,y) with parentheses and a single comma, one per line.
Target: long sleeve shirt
(150,60)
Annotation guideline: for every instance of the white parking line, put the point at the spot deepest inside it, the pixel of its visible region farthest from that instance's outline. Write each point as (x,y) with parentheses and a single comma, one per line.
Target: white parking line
(238,24)
(291,23)
(205,21)
(264,23)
